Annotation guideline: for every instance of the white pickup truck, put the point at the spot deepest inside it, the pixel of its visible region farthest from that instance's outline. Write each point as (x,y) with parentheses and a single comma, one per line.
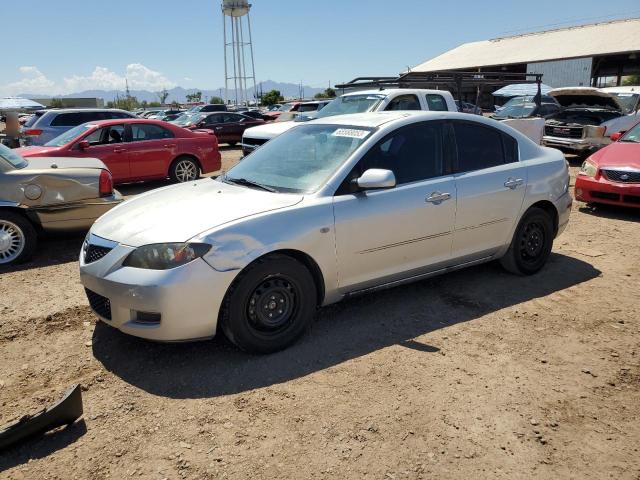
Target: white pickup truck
(357,102)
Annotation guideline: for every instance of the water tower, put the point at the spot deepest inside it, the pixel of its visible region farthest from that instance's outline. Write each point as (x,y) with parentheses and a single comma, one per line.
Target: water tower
(237,47)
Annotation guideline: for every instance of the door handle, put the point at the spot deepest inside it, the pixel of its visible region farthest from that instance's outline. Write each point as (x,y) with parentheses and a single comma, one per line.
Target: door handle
(513,183)
(437,198)
(169,145)
(119,150)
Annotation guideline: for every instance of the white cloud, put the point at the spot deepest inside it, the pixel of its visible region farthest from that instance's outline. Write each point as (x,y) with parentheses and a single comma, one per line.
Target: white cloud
(33,81)
(139,76)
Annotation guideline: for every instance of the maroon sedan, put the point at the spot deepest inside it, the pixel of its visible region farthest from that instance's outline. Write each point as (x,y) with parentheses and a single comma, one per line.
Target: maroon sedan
(228,126)
(137,149)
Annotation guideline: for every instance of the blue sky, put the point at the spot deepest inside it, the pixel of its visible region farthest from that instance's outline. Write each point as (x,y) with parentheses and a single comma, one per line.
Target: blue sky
(71,45)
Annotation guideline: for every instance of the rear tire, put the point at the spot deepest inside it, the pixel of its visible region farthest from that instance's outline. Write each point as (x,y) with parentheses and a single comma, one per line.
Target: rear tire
(18,239)
(531,244)
(270,305)
(184,169)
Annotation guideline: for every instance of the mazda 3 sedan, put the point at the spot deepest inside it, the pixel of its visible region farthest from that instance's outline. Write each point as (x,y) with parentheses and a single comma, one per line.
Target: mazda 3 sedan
(332,208)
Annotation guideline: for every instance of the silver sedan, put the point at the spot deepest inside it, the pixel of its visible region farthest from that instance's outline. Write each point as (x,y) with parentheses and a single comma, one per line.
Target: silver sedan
(332,208)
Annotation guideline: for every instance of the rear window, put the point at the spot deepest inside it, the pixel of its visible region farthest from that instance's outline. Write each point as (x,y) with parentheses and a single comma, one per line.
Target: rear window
(480,146)
(73,119)
(33,119)
(437,103)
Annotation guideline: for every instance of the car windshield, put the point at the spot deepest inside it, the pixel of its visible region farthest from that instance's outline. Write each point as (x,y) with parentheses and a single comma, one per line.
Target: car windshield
(300,160)
(12,157)
(351,104)
(629,101)
(286,107)
(521,110)
(633,135)
(69,135)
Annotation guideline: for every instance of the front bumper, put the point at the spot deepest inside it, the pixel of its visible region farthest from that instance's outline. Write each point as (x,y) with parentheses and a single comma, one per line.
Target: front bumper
(574,144)
(176,305)
(601,190)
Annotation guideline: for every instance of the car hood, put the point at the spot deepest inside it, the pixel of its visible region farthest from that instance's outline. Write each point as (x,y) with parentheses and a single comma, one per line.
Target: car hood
(180,212)
(61,163)
(269,130)
(585,97)
(618,154)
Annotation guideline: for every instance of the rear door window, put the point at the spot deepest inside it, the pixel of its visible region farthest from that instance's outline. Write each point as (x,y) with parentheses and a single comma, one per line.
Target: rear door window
(142,131)
(437,103)
(480,146)
(404,102)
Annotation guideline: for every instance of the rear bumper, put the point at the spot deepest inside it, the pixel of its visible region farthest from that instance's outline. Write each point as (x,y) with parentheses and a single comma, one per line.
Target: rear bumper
(599,190)
(212,163)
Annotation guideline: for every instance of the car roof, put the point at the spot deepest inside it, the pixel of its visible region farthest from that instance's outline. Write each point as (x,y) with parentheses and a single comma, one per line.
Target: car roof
(75,110)
(120,121)
(389,91)
(369,120)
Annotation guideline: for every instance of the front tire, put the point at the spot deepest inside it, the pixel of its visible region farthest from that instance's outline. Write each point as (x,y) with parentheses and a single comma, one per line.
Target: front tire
(18,239)
(531,244)
(184,169)
(270,305)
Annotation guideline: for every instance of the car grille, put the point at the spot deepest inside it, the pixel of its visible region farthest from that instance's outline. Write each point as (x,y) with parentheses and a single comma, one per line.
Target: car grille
(99,304)
(622,176)
(563,132)
(606,196)
(632,199)
(93,253)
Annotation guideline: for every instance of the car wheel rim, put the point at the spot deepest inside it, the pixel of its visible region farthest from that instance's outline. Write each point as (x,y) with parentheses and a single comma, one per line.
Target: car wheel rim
(532,242)
(272,305)
(12,241)
(186,171)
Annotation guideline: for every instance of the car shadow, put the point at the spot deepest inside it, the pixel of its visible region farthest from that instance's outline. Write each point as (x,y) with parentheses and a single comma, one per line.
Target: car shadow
(51,250)
(344,331)
(612,212)
(42,446)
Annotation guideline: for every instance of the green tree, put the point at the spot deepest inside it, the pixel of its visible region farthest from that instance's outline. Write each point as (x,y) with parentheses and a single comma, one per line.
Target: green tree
(328,93)
(162,95)
(631,80)
(215,99)
(56,103)
(274,96)
(155,104)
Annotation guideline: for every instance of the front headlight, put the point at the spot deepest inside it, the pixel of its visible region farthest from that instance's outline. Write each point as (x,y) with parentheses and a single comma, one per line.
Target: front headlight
(164,256)
(588,169)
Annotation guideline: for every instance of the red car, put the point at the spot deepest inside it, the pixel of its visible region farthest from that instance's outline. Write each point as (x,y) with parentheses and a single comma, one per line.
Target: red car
(137,149)
(612,175)
(227,126)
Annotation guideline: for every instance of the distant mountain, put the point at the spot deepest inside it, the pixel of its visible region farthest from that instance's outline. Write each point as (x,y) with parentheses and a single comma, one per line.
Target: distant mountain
(179,94)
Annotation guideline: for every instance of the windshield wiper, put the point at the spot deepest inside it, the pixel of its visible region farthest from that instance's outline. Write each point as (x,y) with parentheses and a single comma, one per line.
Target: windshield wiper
(248,183)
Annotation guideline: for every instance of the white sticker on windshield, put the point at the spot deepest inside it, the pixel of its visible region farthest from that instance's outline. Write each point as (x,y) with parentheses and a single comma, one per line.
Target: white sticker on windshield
(350,133)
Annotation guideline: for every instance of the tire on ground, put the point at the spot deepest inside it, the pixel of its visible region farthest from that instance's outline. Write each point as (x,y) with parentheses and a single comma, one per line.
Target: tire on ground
(180,161)
(533,234)
(239,317)
(29,235)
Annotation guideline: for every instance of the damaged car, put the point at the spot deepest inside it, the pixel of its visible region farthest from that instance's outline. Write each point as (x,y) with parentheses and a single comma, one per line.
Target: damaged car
(589,116)
(43,195)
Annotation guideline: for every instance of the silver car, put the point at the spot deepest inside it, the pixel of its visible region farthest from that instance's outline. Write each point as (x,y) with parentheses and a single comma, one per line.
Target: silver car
(46,125)
(332,208)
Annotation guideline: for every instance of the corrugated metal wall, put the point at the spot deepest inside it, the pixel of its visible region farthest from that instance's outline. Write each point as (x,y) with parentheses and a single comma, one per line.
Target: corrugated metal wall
(564,73)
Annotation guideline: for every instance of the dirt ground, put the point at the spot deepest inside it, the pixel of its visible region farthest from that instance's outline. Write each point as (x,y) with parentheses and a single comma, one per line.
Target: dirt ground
(476,374)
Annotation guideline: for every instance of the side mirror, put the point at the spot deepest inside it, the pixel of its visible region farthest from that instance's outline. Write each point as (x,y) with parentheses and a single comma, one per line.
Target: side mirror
(83,145)
(616,136)
(376,178)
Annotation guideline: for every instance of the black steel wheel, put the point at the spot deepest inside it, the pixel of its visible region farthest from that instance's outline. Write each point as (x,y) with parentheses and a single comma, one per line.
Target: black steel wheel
(271,303)
(531,245)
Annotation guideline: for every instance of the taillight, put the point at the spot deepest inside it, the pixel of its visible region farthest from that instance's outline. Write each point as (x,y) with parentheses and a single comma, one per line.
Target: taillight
(34,132)
(105,183)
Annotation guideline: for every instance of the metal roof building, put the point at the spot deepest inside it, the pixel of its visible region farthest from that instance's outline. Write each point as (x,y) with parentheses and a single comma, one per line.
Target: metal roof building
(600,54)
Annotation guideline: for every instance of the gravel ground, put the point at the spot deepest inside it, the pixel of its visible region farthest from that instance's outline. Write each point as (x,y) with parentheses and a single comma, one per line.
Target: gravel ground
(476,374)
